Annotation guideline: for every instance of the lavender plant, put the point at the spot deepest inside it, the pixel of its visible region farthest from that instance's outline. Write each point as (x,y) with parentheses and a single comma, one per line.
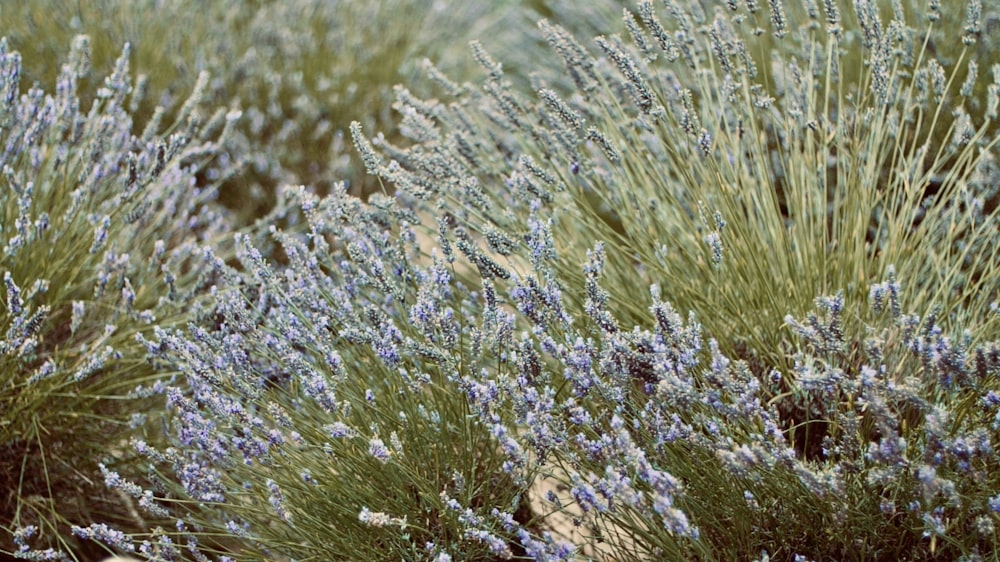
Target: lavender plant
(101,229)
(692,463)
(412,373)
(325,413)
(742,177)
(663,447)
(694,161)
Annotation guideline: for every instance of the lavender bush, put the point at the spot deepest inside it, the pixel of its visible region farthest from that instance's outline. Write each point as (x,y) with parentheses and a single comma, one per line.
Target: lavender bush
(664,447)
(101,229)
(742,160)
(690,159)
(325,414)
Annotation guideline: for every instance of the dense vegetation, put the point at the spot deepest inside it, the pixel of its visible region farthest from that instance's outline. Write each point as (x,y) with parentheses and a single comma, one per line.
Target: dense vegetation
(699,280)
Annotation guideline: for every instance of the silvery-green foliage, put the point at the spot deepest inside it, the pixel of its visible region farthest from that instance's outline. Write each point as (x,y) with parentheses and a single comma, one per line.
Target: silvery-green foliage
(101,232)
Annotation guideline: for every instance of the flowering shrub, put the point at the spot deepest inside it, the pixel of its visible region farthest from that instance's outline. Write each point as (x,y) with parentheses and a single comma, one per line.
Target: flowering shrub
(741,187)
(100,239)
(690,159)
(666,447)
(325,413)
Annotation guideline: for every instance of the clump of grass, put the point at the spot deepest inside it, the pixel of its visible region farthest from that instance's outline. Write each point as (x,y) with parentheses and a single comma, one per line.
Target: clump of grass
(101,239)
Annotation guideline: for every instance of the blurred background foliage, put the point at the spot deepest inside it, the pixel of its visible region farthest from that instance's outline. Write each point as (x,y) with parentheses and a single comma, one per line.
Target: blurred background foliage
(301,70)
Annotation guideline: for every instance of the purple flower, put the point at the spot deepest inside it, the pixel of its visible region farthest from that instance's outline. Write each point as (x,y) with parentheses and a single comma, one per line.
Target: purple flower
(105,534)
(100,235)
(994,503)
(14,304)
(277,501)
(377,449)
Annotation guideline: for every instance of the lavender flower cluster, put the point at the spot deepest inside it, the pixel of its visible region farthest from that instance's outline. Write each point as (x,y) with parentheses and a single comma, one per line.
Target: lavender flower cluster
(340,373)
